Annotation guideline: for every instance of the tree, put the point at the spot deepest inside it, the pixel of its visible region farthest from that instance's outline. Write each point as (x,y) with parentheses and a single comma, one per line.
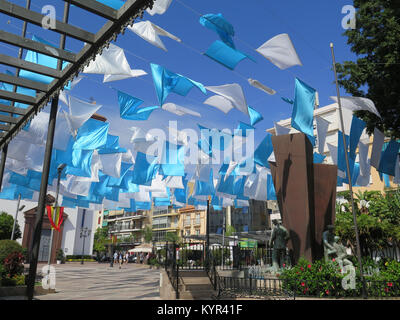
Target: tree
(100,240)
(6,226)
(172,237)
(148,234)
(376,73)
(230,231)
(378,220)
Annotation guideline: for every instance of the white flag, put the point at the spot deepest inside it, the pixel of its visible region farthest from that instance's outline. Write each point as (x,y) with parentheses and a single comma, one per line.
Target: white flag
(322,130)
(357,103)
(280,51)
(233,93)
(379,139)
(150,32)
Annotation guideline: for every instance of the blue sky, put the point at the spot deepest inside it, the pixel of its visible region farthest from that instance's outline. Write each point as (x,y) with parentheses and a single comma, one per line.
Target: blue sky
(311,24)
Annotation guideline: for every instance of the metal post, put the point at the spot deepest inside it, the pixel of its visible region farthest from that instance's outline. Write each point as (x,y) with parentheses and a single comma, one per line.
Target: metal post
(59,169)
(207,233)
(223,238)
(45,176)
(16,217)
(3,163)
(364,291)
(83,234)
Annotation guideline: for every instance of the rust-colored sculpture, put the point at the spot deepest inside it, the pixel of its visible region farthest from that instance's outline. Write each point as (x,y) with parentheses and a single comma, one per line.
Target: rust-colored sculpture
(306,194)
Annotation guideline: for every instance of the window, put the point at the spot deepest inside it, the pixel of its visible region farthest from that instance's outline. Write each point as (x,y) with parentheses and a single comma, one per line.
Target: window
(197,218)
(187,220)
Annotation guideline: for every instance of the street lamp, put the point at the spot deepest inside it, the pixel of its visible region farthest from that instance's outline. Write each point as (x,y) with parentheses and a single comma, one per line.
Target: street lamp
(60,168)
(85,232)
(16,216)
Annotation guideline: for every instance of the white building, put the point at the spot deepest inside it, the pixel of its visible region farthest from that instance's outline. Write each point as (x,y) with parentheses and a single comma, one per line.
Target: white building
(71,242)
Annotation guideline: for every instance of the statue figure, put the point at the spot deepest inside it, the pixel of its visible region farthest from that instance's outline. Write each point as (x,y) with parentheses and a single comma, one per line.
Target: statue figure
(279,238)
(341,254)
(328,239)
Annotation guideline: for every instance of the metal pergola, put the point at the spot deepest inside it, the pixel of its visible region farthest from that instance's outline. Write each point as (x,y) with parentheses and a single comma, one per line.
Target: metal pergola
(94,43)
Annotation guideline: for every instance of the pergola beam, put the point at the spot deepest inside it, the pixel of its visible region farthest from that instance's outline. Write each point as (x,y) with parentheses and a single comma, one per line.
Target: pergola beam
(32,45)
(22,82)
(8,119)
(26,65)
(36,18)
(97,8)
(17,97)
(14,110)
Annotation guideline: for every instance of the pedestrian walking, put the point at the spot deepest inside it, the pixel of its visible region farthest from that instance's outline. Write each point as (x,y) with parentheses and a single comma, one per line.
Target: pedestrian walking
(115,257)
(127,257)
(120,260)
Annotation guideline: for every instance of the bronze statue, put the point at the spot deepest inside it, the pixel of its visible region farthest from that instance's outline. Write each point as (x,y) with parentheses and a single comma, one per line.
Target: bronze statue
(279,238)
(328,239)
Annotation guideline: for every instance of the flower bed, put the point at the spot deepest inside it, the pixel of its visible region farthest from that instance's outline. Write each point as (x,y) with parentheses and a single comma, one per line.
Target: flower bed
(325,279)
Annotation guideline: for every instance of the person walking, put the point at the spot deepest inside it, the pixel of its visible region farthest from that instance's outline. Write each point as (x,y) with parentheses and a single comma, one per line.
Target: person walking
(127,257)
(120,260)
(115,257)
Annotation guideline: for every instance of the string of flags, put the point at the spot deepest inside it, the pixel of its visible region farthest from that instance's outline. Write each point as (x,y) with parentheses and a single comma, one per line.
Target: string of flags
(101,172)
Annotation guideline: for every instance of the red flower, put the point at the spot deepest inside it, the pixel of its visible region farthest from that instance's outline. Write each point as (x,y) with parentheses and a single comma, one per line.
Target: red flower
(386,289)
(302,284)
(327,291)
(390,284)
(284,265)
(301,268)
(333,260)
(309,266)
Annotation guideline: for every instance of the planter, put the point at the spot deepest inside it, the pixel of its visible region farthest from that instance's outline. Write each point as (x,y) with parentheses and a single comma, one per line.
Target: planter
(58,261)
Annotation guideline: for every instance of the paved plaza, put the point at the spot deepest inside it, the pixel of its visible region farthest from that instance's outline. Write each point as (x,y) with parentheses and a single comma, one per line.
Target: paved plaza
(98,281)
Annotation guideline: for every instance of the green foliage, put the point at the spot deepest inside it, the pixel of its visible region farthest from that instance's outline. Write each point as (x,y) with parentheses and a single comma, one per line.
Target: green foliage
(60,255)
(378,222)
(324,279)
(376,73)
(230,231)
(7,247)
(6,226)
(14,264)
(148,234)
(100,240)
(172,237)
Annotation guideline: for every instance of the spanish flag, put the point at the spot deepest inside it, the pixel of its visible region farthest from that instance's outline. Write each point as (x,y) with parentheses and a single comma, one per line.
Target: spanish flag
(58,219)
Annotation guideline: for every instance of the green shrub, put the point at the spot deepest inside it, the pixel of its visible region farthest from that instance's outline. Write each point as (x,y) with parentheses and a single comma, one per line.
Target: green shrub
(323,279)
(14,264)
(7,247)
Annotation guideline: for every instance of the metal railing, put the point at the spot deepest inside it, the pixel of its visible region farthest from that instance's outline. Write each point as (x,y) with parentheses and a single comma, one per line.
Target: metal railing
(171,266)
(271,288)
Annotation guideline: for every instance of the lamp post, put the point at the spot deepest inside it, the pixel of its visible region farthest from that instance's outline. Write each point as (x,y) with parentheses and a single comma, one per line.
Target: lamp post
(85,232)
(353,207)
(16,216)
(60,168)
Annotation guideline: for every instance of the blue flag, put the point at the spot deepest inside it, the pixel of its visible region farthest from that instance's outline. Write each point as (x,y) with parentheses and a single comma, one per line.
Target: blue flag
(145,170)
(357,127)
(264,151)
(388,161)
(166,81)
(220,25)
(225,55)
(255,116)
(303,108)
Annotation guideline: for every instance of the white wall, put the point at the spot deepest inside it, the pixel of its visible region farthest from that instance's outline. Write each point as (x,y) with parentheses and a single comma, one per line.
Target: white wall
(71,242)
